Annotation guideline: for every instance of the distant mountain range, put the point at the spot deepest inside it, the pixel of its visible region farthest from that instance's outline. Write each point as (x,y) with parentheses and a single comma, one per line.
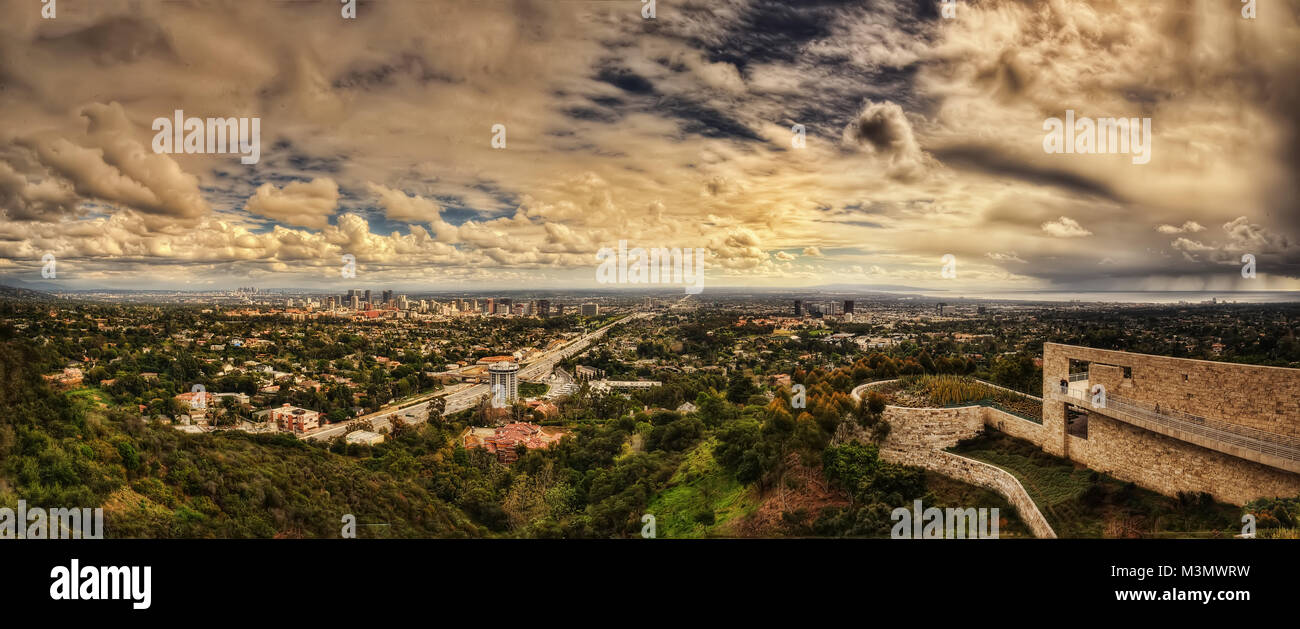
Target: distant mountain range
(15,292)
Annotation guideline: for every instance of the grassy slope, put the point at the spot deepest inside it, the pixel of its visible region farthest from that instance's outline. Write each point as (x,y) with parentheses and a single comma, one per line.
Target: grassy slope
(701,499)
(1079,502)
(946,492)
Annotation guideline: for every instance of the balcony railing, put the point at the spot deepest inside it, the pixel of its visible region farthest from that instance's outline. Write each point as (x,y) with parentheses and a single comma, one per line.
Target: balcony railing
(1264,442)
(1075,377)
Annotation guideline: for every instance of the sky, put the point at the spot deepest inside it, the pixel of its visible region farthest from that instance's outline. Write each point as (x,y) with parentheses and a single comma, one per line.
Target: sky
(923,136)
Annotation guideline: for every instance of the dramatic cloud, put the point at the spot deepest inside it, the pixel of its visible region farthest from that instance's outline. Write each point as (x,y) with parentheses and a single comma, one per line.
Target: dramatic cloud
(305,204)
(882,130)
(921,137)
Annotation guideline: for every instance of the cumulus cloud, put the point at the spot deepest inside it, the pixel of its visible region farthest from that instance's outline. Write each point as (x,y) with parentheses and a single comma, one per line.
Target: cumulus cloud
(1065,227)
(399,206)
(301,203)
(1190,227)
(109,163)
(24,200)
(883,131)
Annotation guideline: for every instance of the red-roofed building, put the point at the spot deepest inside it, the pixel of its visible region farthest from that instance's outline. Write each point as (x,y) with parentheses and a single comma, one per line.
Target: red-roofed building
(505,439)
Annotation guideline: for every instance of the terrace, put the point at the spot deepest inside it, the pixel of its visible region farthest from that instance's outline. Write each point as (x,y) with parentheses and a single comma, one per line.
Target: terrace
(1274,450)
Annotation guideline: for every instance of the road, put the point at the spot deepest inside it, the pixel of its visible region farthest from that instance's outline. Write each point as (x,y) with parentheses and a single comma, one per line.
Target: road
(541,367)
(461,397)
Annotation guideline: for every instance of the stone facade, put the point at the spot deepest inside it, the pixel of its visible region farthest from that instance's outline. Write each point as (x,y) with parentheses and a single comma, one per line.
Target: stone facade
(1263,398)
(1246,396)
(1168,465)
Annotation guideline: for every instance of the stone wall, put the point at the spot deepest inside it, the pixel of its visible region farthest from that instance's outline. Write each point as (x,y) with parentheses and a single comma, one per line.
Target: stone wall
(931,428)
(919,436)
(1168,466)
(977,473)
(1015,426)
(1263,398)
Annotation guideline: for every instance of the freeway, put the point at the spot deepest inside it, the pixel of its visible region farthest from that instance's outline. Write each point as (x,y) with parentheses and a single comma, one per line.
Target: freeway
(541,367)
(465,396)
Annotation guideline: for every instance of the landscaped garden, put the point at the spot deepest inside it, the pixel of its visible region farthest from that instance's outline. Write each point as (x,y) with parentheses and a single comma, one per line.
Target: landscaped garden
(948,390)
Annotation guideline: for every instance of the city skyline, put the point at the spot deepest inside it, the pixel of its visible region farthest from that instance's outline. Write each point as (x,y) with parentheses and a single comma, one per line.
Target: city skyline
(921,137)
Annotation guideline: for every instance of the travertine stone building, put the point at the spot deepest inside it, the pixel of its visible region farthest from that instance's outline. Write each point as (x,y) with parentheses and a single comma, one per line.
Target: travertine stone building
(1172,424)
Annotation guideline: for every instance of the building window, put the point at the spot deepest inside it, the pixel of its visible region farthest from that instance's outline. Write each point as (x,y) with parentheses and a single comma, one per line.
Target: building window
(1128,373)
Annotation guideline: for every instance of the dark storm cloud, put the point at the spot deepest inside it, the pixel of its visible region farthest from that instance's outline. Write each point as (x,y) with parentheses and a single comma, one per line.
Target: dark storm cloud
(992,161)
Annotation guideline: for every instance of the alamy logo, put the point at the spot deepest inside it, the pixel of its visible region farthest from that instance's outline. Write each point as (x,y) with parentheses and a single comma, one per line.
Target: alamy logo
(950,523)
(102,583)
(1248,526)
(37,523)
(1248,266)
(214,135)
(949,269)
(648,531)
(1103,135)
(657,265)
(1099,396)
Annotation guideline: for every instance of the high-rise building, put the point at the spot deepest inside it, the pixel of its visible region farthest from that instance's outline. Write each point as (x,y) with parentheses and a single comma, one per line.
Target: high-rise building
(590,310)
(848,306)
(367,299)
(798,308)
(504,379)
(543,308)
(388,296)
(354,302)
(489,305)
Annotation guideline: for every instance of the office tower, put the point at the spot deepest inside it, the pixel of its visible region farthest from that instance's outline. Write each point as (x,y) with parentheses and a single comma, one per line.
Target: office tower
(489,305)
(354,302)
(798,308)
(388,296)
(505,375)
(367,299)
(543,308)
(590,310)
(848,306)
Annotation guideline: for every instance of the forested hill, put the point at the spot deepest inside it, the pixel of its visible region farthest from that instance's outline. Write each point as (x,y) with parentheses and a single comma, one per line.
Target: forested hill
(66,450)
